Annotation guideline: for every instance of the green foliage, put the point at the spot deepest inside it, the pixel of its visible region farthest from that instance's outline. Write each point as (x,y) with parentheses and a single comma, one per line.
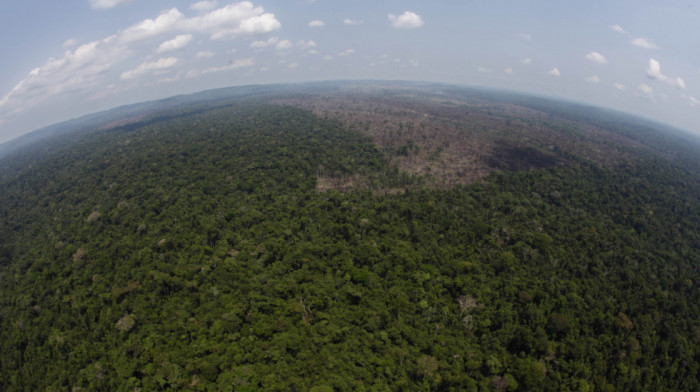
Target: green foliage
(196,253)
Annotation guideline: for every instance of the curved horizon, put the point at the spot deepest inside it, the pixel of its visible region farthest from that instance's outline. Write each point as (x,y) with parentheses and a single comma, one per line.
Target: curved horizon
(71,60)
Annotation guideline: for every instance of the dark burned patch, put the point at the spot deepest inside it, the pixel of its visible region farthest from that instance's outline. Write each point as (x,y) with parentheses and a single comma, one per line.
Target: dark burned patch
(506,156)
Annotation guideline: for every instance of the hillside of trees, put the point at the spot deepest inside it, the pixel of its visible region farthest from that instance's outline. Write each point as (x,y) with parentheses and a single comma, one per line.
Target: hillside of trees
(256,243)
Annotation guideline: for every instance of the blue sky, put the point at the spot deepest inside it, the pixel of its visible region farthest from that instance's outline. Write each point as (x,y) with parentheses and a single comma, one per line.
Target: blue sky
(69,58)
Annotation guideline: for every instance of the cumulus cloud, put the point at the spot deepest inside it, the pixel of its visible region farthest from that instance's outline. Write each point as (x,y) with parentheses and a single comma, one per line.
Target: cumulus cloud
(554,72)
(104,4)
(98,65)
(643,43)
(596,58)
(306,44)
(407,20)
(508,71)
(76,71)
(148,67)
(619,86)
(226,22)
(176,43)
(346,52)
(618,28)
(148,28)
(284,44)
(482,69)
(352,22)
(526,61)
(654,72)
(264,44)
(639,42)
(232,20)
(316,23)
(592,79)
(203,5)
(524,36)
(645,91)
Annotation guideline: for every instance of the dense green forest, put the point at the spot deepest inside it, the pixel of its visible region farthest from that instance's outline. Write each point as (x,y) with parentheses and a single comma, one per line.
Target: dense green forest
(197,253)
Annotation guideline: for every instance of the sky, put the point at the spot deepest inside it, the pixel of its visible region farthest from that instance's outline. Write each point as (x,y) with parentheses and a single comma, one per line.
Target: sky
(64,59)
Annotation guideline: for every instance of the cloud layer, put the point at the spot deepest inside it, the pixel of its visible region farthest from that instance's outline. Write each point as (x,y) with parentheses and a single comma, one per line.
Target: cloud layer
(147,67)
(90,65)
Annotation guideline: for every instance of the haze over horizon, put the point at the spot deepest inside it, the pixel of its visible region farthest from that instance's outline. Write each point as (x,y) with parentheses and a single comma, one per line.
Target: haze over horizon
(63,60)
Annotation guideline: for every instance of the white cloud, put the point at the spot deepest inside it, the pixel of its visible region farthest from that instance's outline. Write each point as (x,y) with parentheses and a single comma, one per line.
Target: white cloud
(75,72)
(242,63)
(592,79)
(284,44)
(692,101)
(619,86)
(328,57)
(524,36)
(149,28)
(346,52)
(264,44)
(353,22)
(203,5)
(526,61)
(618,28)
(233,20)
(407,20)
(205,54)
(292,65)
(482,69)
(596,58)
(104,4)
(306,44)
(654,72)
(316,23)
(149,66)
(645,91)
(70,43)
(229,21)
(176,43)
(554,72)
(508,71)
(643,43)
(93,70)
